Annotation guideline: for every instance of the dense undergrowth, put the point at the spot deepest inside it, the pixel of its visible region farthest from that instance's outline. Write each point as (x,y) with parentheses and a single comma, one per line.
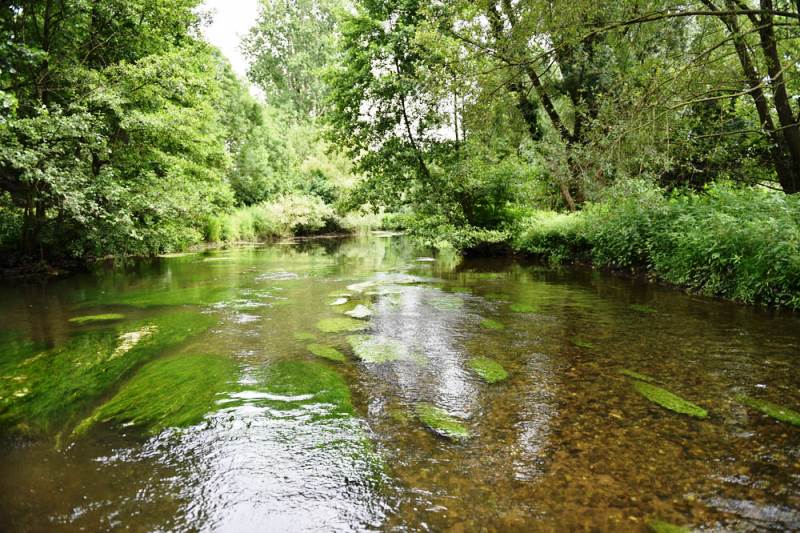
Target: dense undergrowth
(737,243)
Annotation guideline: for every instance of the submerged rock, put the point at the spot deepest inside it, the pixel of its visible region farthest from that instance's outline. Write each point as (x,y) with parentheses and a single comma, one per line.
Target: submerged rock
(441,423)
(325,351)
(175,391)
(778,412)
(377,348)
(88,319)
(337,325)
(488,323)
(668,400)
(340,301)
(489,370)
(359,311)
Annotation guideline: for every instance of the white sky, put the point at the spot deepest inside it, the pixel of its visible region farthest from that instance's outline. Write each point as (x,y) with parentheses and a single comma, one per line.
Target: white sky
(231,21)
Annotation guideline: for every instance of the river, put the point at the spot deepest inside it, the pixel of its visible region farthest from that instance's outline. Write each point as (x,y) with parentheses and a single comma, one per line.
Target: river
(365,384)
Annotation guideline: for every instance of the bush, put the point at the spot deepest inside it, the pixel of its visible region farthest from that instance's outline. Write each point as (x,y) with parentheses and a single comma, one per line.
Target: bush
(558,237)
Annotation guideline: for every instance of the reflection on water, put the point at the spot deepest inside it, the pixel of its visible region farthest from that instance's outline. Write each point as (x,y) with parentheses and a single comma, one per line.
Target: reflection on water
(297,442)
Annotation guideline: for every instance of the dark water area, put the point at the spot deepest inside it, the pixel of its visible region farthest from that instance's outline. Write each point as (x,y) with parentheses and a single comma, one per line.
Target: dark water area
(231,391)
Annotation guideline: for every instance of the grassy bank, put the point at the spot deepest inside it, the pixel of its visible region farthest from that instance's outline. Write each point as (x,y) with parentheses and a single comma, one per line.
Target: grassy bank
(740,244)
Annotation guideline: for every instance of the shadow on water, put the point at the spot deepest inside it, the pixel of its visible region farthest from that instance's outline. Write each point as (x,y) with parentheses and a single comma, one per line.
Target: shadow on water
(365,384)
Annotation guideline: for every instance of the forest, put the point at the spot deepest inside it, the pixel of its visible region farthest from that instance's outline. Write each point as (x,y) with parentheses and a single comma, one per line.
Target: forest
(648,136)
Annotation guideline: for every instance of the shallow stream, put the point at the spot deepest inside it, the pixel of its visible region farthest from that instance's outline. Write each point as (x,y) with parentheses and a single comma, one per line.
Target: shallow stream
(362,385)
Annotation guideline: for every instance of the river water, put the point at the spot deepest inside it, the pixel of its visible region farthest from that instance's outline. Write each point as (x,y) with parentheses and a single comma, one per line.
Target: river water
(195,400)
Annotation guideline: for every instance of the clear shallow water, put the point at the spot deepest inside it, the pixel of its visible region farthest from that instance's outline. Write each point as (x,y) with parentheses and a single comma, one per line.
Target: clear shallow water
(286,440)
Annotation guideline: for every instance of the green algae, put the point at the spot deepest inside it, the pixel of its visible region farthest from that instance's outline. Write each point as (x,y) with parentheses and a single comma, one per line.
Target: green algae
(523,308)
(441,423)
(175,391)
(497,296)
(88,319)
(668,400)
(14,348)
(48,389)
(581,343)
(377,349)
(643,308)
(304,336)
(337,325)
(778,412)
(660,526)
(447,303)
(326,352)
(489,370)
(154,297)
(637,375)
(488,323)
(292,384)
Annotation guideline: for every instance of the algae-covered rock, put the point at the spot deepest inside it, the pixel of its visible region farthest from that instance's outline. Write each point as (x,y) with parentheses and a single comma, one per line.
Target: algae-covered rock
(643,308)
(523,308)
(660,526)
(59,382)
(88,319)
(668,400)
(326,352)
(778,412)
(304,336)
(489,370)
(636,375)
(337,325)
(377,348)
(175,391)
(359,311)
(441,423)
(581,343)
(488,323)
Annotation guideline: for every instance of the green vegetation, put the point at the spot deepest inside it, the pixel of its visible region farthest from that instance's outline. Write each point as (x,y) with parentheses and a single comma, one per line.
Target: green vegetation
(337,325)
(48,389)
(304,336)
(489,370)
(174,391)
(488,323)
(523,308)
(377,349)
(784,414)
(326,352)
(294,384)
(154,297)
(660,526)
(441,423)
(637,375)
(88,319)
(668,400)
(581,343)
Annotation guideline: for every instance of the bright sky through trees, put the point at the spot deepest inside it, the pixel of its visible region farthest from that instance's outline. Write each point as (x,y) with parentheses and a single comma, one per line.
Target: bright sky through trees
(232,19)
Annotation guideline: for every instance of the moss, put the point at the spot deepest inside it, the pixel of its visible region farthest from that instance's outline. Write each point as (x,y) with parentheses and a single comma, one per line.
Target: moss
(325,351)
(643,308)
(441,423)
(377,349)
(784,414)
(50,388)
(304,336)
(523,308)
(87,319)
(447,303)
(489,370)
(637,375)
(488,323)
(660,526)
(174,391)
(668,400)
(581,343)
(336,325)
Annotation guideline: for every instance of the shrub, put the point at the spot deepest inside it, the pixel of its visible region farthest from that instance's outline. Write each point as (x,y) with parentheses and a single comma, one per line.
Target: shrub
(558,237)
